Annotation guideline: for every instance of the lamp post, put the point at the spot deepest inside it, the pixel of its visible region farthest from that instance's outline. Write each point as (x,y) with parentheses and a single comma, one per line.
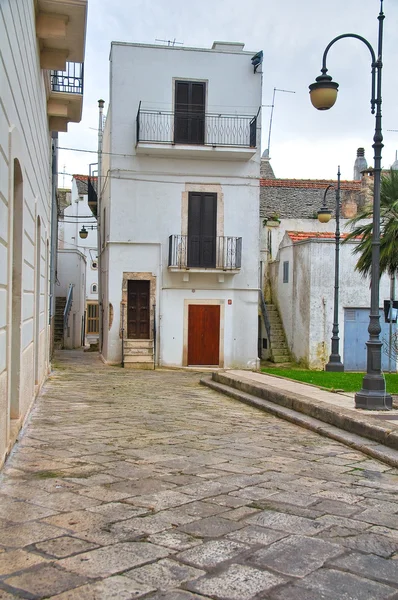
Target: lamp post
(83,233)
(323,94)
(324,215)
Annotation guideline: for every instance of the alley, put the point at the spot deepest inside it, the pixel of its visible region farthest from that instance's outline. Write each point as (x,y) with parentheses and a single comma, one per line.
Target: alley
(144,484)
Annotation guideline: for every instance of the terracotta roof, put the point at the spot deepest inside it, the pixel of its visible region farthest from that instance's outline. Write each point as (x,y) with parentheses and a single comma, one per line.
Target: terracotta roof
(82,183)
(309,183)
(300,236)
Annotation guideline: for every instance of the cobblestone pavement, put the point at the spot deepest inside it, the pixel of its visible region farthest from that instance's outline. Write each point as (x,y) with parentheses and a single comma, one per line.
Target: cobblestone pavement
(147,485)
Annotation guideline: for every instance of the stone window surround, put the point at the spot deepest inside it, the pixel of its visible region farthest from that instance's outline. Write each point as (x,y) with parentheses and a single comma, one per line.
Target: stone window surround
(214,188)
(221,304)
(137,276)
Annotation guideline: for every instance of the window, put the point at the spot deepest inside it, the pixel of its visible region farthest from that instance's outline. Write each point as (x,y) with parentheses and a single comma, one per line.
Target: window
(202,228)
(94,288)
(94,264)
(189,112)
(286,271)
(92,321)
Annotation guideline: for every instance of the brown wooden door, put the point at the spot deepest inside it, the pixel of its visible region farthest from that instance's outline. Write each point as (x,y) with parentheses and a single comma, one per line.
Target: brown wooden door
(138,310)
(203,334)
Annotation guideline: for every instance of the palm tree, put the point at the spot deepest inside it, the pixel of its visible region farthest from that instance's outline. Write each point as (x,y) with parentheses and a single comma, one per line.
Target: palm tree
(388,230)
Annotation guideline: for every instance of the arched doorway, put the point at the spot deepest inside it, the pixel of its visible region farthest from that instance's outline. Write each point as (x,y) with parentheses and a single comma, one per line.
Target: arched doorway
(16,290)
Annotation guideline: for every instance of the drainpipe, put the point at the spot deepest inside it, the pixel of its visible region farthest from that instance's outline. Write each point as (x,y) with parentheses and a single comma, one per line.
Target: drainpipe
(54,236)
(99,217)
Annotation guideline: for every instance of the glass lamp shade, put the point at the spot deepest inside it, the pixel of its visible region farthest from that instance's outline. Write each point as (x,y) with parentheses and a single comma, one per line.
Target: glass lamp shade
(324,215)
(323,93)
(83,233)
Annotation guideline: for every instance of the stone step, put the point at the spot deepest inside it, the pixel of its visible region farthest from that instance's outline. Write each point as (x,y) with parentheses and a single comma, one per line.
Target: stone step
(142,366)
(280,351)
(138,358)
(138,351)
(138,344)
(277,358)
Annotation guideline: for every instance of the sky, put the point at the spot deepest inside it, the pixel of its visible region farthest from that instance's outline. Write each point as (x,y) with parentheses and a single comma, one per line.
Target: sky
(304,143)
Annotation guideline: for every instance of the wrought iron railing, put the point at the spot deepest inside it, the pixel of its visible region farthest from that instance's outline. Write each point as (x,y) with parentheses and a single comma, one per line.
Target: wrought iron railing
(221,252)
(69,81)
(264,313)
(68,305)
(168,127)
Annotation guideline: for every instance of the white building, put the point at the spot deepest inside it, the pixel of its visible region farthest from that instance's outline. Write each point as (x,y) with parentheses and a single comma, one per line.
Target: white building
(41,91)
(179,211)
(302,279)
(298,263)
(78,266)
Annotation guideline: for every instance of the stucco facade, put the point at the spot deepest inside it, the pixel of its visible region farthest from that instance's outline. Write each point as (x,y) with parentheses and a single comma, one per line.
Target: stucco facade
(305,301)
(29,120)
(72,220)
(147,184)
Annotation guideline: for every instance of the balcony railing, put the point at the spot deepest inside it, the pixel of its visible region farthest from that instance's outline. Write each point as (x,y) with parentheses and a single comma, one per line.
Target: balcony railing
(69,81)
(190,252)
(203,129)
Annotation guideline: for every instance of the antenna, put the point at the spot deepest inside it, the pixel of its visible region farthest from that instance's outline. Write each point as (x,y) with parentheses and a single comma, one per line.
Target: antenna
(272,112)
(170,42)
(63,178)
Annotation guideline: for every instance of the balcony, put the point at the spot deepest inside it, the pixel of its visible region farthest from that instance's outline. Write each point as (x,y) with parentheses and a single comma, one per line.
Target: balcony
(196,135)
(65,102)
(61,29)
(205,254)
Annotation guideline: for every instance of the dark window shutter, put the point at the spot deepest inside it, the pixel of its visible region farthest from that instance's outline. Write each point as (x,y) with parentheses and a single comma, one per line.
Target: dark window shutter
(189,112)
(202,230)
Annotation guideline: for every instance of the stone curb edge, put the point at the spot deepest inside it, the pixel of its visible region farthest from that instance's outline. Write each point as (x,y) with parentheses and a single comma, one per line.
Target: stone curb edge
(363,444)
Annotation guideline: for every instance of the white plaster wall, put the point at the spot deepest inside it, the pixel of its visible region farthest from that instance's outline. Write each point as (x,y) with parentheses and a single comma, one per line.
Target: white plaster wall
(354,292)
(143,196)
(24,136)
(72,264)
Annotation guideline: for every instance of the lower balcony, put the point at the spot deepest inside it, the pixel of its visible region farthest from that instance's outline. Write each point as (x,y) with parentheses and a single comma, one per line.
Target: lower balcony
(65,102)
(205,254)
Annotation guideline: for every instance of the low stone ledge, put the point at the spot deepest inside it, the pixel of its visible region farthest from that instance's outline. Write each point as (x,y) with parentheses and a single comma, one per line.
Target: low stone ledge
(339,417)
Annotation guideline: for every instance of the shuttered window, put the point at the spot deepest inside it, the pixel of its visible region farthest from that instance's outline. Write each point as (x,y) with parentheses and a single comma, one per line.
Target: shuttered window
(202,227)
(189,112)
(286,271)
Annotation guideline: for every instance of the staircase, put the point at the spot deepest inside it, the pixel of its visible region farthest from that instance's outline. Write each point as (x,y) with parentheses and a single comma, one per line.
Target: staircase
(59,322)
(138,354)
(278,346)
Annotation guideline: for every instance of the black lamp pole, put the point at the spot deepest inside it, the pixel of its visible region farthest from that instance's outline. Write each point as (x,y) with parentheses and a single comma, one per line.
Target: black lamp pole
(323,93)
(334,363)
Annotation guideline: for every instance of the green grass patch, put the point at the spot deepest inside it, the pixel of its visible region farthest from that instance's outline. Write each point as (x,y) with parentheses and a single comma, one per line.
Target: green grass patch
(347,382)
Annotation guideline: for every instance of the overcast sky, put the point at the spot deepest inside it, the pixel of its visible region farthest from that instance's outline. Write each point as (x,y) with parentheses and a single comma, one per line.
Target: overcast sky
(305,143)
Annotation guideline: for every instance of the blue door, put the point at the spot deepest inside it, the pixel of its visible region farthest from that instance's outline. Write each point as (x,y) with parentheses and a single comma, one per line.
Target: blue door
(356,322)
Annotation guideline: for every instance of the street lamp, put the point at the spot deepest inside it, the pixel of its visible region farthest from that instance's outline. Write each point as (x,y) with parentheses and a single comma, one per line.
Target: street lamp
(324,215)
(83,233)
(323,94)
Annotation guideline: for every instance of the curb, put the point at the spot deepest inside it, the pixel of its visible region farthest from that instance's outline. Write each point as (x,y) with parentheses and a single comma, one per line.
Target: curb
(344,433)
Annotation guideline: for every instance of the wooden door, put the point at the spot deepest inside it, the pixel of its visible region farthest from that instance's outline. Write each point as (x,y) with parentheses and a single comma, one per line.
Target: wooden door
(204,334)
(92,322)
(189,113)
(202,229)
(138,310)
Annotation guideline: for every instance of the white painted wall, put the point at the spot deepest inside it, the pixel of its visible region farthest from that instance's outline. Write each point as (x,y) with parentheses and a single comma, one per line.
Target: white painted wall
(70,223)
(143,197)
(72,265)
(24,137)
(306,303)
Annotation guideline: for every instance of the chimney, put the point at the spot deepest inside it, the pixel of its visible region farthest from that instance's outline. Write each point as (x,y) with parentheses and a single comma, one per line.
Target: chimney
(360,164)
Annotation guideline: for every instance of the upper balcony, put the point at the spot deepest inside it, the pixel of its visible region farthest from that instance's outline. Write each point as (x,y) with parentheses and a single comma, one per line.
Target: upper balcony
(61,29)
(193,134)
(65,101)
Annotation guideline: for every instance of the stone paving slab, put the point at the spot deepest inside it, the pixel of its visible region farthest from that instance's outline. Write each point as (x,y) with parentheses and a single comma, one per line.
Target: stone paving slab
(148,485)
